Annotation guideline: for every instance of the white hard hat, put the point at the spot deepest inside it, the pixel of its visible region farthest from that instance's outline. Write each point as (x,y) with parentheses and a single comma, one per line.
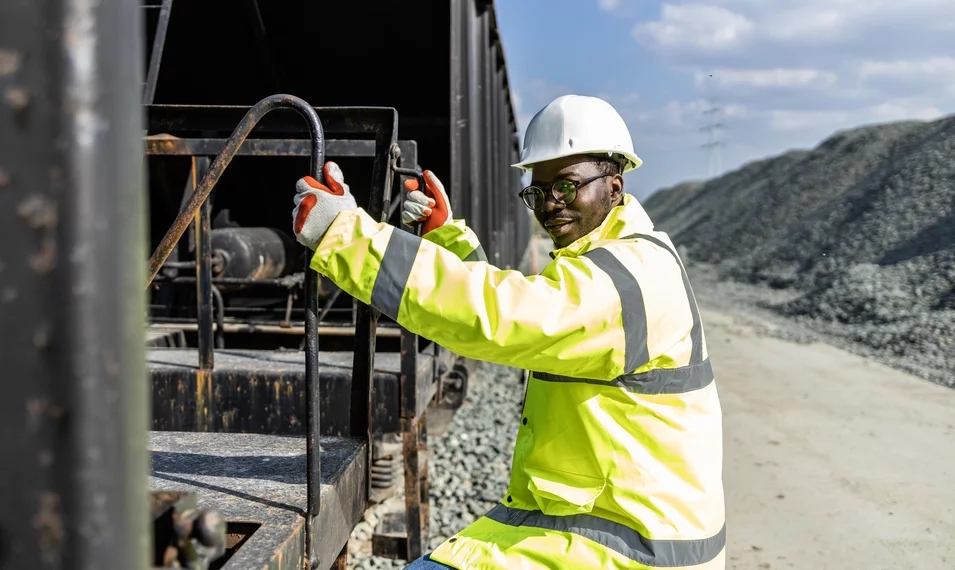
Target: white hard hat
(576,124)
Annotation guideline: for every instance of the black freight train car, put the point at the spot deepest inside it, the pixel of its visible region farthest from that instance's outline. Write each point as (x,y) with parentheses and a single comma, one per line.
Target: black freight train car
(397,86)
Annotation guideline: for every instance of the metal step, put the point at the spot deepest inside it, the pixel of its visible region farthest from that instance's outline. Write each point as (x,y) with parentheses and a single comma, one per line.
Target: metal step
(261,479)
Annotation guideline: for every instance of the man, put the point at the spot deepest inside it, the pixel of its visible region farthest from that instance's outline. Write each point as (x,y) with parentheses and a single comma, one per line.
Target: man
(618,458)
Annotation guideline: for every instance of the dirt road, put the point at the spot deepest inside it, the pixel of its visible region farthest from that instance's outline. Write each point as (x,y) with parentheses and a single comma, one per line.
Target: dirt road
(831,461)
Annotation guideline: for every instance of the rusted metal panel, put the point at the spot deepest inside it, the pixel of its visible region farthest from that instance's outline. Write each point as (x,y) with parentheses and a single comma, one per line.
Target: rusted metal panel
(71,203)
(260,480)
(264,391)
(165,145)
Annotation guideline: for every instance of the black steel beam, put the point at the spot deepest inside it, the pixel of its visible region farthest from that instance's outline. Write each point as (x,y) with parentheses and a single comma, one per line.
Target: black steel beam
(366,318)
(159,145)
(192,120)
(73,415)
(155,53)
(204,296)
(412,384)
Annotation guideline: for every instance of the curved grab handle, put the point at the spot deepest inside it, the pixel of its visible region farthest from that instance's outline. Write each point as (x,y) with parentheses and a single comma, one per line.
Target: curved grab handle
(241,132)
(185,217)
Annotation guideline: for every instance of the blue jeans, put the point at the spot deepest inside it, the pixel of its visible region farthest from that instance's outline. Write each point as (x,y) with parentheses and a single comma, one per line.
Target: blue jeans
(425,563)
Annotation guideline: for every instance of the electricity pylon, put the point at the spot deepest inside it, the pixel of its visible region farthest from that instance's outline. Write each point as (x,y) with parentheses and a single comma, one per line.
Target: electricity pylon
(714,143)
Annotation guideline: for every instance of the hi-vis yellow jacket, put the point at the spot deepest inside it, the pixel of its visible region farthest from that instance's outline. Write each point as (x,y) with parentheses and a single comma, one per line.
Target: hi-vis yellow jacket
(618,459)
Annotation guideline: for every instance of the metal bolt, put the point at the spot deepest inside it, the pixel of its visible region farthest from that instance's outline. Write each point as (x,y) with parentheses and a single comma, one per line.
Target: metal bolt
(210,528)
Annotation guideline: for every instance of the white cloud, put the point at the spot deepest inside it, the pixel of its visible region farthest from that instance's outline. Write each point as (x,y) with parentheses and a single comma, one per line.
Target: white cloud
(608,5)
(697,27)
(942,67)
(759,78)
(787,31)
(788,73)
(903,110)
(788,120)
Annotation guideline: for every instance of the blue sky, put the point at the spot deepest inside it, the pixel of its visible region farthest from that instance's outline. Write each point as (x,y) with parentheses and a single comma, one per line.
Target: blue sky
(783,73)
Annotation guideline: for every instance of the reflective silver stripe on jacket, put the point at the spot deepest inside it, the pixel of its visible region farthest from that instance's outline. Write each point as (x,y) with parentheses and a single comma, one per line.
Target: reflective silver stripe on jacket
(696,375)
(618,537)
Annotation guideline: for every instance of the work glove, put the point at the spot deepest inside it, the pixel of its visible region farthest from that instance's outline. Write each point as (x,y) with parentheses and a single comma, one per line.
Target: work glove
(317,205)
(431,207)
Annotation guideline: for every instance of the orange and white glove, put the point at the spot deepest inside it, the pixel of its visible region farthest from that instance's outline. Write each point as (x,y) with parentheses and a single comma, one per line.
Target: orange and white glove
(431,207)
(317,205)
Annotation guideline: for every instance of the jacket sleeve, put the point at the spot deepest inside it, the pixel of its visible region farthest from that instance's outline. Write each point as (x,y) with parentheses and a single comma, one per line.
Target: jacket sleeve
(459,239)
(567,321)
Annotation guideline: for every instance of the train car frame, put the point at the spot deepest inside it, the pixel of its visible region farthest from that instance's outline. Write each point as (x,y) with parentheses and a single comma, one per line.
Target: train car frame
(281,408)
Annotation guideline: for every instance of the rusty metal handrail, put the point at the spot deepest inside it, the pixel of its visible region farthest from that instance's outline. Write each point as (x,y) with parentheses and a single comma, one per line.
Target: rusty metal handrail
(241,132)
(185,217)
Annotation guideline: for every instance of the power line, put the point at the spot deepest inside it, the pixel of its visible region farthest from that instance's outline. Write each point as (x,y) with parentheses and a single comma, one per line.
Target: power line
(714,143)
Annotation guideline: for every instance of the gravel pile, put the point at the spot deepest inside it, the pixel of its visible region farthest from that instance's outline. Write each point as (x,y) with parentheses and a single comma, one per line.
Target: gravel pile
(861,229)
(469,464)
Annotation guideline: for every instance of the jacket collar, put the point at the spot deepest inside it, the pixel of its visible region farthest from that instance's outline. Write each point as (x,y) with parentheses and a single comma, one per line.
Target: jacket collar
(626,219)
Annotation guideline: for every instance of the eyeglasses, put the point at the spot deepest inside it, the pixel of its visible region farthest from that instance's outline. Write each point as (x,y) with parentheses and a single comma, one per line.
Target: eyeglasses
(564,191)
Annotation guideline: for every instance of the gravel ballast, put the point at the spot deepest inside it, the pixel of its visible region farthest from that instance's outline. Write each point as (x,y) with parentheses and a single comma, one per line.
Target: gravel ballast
(857,234)
(469,464)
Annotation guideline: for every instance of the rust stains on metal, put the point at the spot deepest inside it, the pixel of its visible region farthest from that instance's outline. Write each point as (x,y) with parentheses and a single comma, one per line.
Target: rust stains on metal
(290,554)
(18,98)
(161,500)
(40,214)
(9,62)
(203,398)
(38,211)
(165,143)
(48,521)
(39,410)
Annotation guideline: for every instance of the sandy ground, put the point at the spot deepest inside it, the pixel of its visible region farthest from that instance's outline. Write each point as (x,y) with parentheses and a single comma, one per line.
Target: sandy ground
(831,460)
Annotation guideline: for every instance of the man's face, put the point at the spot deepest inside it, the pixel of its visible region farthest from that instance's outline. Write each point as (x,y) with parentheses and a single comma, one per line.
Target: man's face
(565,223)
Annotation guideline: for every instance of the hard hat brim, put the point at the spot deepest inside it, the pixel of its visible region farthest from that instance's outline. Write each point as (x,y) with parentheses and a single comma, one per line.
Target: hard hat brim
(633,161)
